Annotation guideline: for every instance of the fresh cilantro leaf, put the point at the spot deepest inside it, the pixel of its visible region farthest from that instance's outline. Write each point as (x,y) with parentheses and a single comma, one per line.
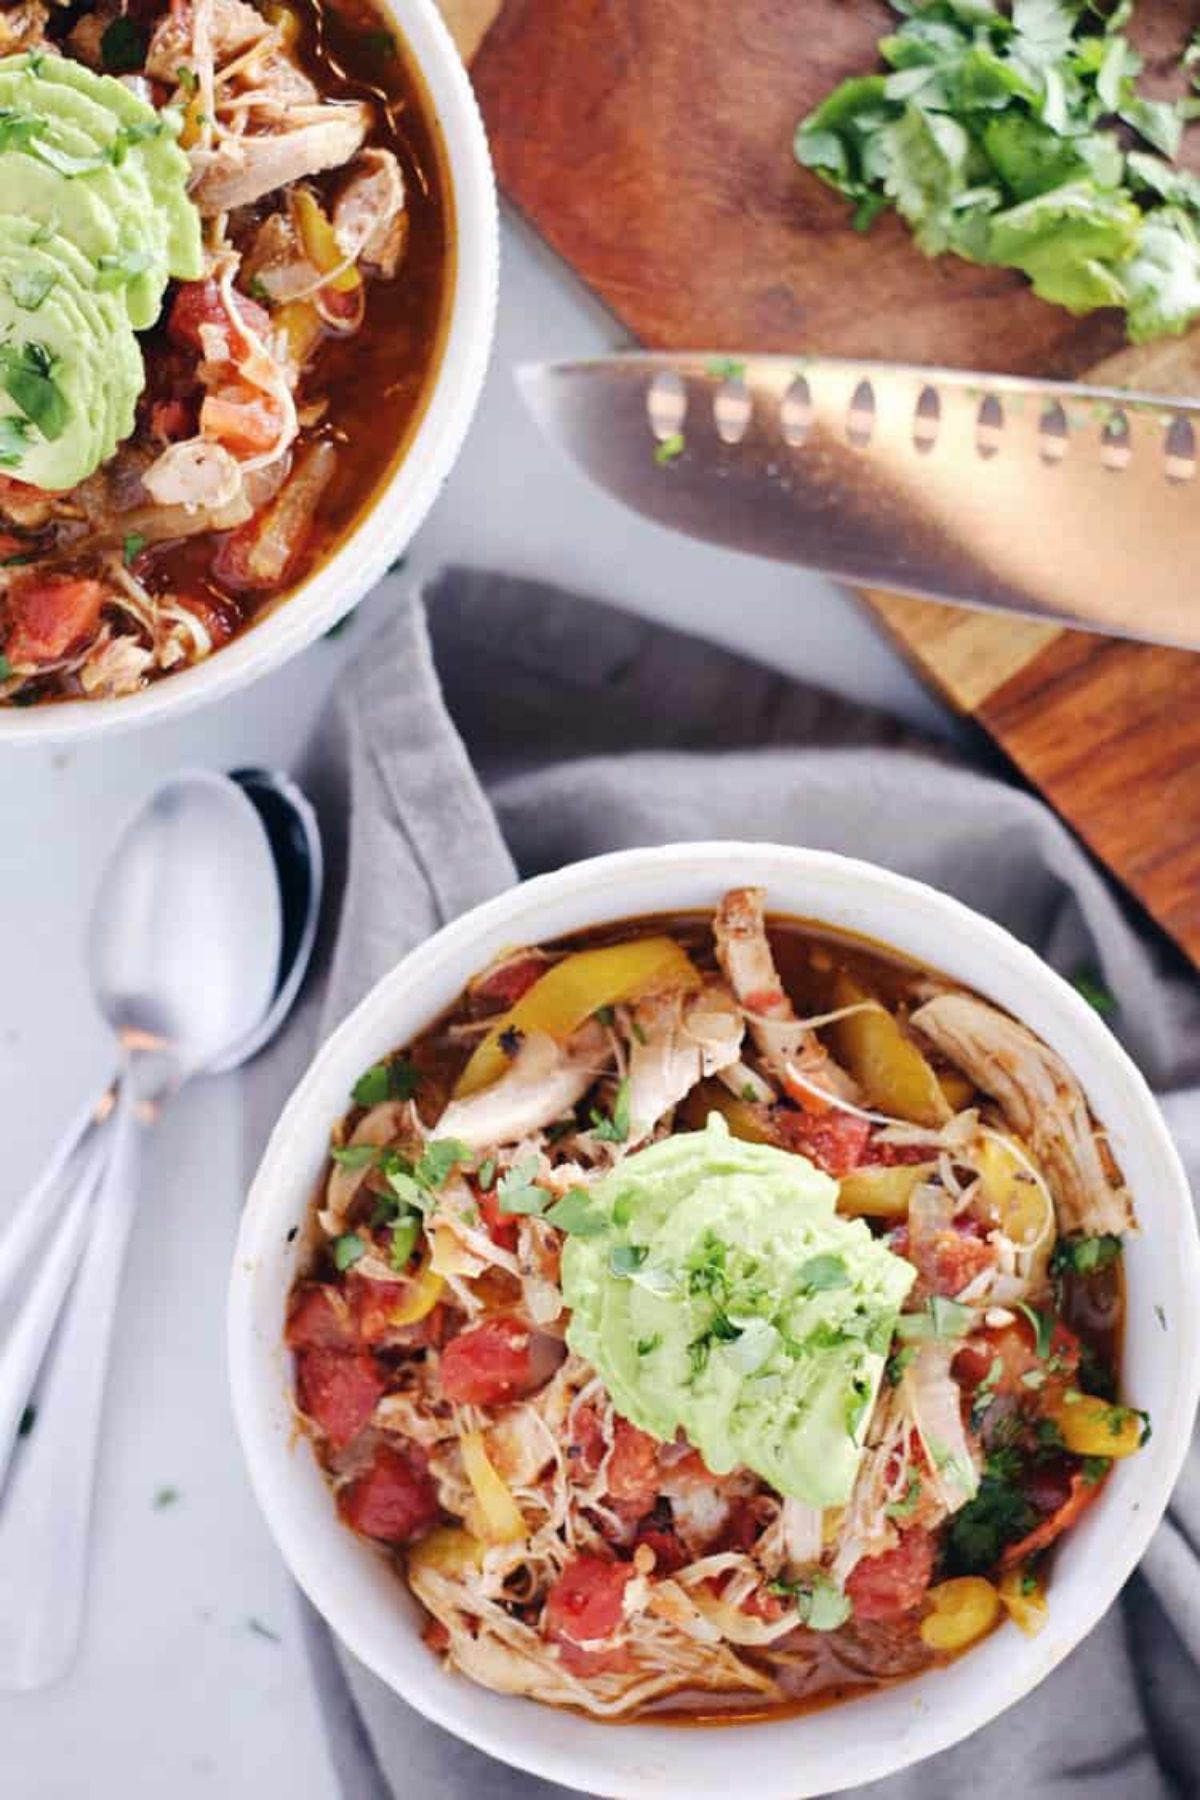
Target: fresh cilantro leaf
(132,545)
(27,377)
(394,1080)
(670,449)
(517,1191)
(405,1233)
(1085,1255)
(485,1174)
(1043,1328)
(821,1274)
(347,1250)
(14,441)
(438,1159)
(647,1346)
(1095,1468)
(356,1156)
(615,1129)
(123,45)
(820,1603)
(576,1214)
(1087,984)
(187,79)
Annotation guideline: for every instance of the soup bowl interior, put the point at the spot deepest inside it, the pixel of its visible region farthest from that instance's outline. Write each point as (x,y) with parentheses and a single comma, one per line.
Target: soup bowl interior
(864,1738)
(404,495)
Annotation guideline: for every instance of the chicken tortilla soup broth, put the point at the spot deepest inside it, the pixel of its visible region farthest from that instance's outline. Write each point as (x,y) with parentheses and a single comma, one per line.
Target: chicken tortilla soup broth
(225,260)
(713,1315)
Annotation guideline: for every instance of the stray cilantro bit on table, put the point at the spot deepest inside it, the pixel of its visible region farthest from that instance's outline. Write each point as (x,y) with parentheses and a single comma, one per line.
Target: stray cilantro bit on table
(164,1497)
(263,1631)
(1088,985)
(670,450)
(1010,138)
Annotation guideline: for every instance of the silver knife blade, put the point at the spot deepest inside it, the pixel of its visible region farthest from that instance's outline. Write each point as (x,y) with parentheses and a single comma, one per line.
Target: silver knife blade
(1060,502)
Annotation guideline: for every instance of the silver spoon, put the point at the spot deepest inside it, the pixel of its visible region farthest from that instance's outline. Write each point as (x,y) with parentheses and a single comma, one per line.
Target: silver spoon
(185,953)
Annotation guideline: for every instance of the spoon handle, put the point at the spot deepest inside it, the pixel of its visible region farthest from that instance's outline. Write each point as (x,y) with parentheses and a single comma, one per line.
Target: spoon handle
(26,1222)
(45,1511)
(63,1223)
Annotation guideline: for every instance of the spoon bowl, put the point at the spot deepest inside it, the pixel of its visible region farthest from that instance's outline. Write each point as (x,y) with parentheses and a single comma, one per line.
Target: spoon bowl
(187,926)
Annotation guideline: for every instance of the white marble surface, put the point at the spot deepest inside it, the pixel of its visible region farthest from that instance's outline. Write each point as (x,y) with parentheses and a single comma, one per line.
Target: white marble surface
(178,1690)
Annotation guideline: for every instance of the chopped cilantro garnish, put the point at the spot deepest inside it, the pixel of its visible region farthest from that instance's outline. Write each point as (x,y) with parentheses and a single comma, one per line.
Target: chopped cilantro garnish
(438,1159)
(347,1250)
(485,1174)
(132,545)
(820,1603)
(623,1259)
(517,1191)
(615,1129)
(821,1274)
(1085,1255)
(396,1080)
(166,1496)
(14,441)
(940,1318)
(1095,1468)
(27,377)
(405,1233)
(576,1214)
(669,450)
(647,1346)
(356,1156)
(187,79)
(906,1507)
(1043,1327)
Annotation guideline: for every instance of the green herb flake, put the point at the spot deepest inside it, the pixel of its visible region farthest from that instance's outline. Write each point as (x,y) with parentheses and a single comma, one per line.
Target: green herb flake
(356,1156)
(438,1159)
(486,1173)
(625,1259)
(263,1631)
(187,79)
(1094,1468)
(132,545)
(29,288)
(576,1214)
(347,1250)
(518,1192)
(670,450)
(164,1497)
(395,1080)
(647,1346)
(27,376)
(614,1129)
(905,1508)
(1043,1324)
(405,1233)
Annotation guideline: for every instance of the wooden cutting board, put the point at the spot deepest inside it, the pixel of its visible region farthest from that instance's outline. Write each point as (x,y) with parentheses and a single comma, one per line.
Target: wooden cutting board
(649,141)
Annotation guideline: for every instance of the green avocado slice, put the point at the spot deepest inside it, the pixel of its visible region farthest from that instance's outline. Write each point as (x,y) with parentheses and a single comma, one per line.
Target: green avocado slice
(85,139)
(34,267)
(148,137)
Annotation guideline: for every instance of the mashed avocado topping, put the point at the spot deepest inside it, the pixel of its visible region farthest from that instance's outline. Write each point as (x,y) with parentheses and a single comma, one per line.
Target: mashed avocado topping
(716,1289)
(94,221)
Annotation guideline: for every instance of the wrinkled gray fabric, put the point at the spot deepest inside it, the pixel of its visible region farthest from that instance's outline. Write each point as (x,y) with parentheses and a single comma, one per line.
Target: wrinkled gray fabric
(567,729)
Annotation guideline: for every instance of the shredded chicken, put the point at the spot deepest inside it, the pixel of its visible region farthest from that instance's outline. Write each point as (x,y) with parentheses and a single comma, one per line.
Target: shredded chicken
(544,1080)
(678,1040)
(244,168)
(368,216)
(1041,1100)
(785,1043)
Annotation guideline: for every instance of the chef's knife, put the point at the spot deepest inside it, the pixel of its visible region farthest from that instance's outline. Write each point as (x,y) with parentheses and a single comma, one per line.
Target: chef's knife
(1057,501)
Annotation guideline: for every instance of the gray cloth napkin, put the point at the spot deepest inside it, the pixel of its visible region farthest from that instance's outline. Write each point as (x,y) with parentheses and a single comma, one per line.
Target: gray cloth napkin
(517,729)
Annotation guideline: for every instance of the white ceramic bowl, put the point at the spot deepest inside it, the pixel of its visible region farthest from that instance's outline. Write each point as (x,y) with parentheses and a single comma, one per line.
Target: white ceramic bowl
(400,505)
(867,1738)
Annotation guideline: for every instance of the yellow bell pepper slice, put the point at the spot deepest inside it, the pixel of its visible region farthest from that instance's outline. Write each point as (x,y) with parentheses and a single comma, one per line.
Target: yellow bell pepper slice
(300,323)
(963,1611)
(894,1076)
(425,1290)
(1021,1205)
(320,243)
(1093,1427)
(1024,1600)
(958,1089)
(877,1192)
(572,990)
(499,1515)
(740,1116)
(448,1550)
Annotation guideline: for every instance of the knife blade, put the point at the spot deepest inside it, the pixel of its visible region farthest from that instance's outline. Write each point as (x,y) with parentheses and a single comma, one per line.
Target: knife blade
(1073,504)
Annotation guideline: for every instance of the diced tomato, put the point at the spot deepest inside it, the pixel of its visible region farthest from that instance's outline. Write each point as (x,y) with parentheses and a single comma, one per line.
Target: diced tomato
(669,1553)
(394,1499)
(1079,1498)
(51,615)
(501,1226)
(884,1587)
(245,426)
(198,303)
(760,1603)
(319,1319)
(504,985)
(633,1473)
(835,1140)
(585,1606)
(1016,1349)
(499,1360)
(373,1306)
(945,1260)
(338,1390)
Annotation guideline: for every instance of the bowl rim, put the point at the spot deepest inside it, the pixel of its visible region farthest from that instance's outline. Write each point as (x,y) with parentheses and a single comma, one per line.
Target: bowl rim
(401,502)
(874,1755)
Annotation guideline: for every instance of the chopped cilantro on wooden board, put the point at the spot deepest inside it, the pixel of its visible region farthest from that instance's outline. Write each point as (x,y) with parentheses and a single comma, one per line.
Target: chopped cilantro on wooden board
(1018,136)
